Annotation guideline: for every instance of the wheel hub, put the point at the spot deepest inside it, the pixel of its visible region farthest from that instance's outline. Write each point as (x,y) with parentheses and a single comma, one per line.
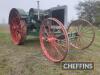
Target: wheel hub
(51,38)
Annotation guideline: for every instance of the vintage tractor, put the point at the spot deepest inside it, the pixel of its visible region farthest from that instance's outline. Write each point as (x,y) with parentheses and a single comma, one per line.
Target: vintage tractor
(49,26)
(51,31)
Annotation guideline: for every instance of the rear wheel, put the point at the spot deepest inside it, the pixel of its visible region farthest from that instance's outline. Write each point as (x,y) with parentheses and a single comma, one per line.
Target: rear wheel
(53,39)
(18,27)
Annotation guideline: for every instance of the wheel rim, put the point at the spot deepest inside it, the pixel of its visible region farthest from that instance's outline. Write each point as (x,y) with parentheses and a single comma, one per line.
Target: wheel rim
(54,45)
(17,27)
(84,34)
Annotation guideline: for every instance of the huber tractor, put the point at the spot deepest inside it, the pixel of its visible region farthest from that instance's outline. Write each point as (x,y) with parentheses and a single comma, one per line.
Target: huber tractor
(49,26)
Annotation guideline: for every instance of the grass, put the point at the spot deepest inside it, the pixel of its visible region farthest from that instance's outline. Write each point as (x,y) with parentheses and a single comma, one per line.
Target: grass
(27,59)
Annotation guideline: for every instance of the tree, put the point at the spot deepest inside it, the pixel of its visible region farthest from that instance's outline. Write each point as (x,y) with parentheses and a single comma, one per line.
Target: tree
(87,10)
(97,14)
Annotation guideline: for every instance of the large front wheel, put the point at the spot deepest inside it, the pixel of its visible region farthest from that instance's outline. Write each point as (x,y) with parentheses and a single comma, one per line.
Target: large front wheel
(81,34)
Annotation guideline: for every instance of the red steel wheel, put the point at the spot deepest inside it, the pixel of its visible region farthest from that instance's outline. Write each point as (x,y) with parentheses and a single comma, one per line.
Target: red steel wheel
(84,34)
(18,27)
(53,39)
